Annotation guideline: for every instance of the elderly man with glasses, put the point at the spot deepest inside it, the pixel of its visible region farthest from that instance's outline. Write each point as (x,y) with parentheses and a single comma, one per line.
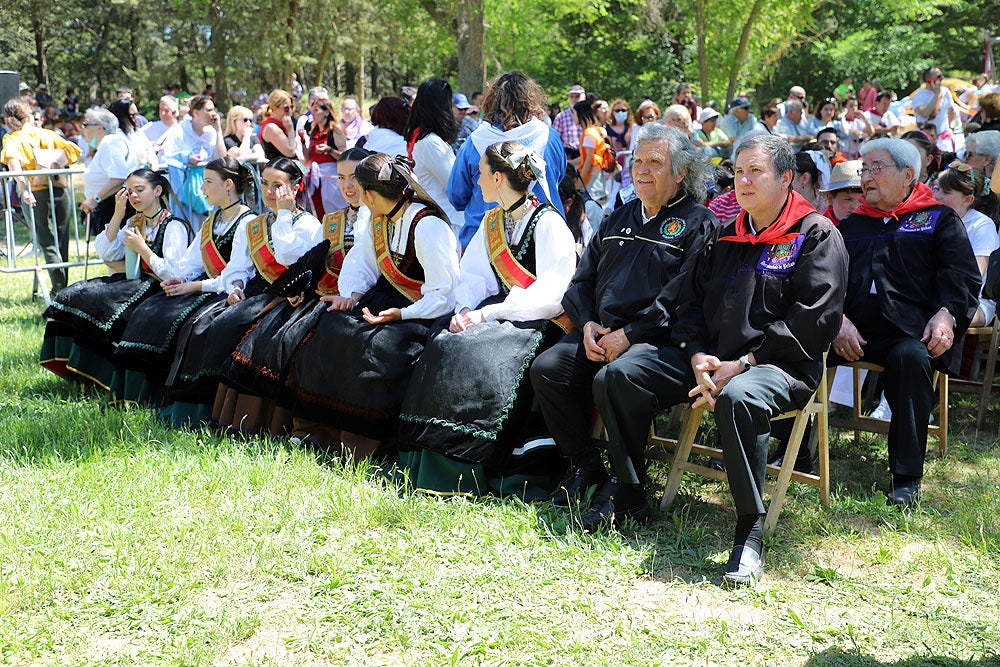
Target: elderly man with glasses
(795,94)
(794,126)
(912,290)
(981,151)
(355,126)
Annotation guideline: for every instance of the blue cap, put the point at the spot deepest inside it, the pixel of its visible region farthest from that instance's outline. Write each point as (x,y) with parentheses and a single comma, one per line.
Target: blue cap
(461,101)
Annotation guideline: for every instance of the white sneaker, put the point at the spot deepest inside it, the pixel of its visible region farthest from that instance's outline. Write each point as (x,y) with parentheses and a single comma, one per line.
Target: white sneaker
(882,410)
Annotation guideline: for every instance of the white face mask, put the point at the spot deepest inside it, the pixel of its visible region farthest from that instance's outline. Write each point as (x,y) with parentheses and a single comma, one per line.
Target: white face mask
(621,116)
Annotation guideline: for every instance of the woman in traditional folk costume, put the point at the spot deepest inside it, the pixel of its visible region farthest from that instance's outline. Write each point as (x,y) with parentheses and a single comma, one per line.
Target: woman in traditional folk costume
(273,240)
(467,424)
(258,368)
(351,374)
(87,318)
(147,347)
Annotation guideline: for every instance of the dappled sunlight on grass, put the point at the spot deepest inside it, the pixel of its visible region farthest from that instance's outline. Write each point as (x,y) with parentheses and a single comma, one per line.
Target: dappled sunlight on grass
(125,542)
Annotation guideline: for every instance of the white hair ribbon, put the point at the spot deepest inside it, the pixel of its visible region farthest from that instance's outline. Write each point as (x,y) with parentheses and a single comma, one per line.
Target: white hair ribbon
(535,162)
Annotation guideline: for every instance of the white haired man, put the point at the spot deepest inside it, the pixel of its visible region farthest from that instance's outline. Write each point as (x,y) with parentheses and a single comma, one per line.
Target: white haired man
(913,288)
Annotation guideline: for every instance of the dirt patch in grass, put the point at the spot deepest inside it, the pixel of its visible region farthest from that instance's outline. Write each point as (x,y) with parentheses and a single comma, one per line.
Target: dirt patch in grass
(651,598)
(268,644)
(109,647)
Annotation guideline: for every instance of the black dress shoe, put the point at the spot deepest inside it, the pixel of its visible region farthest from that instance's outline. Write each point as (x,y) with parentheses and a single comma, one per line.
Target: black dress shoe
(615,505)
(745,567)
(905,491)
(582,479)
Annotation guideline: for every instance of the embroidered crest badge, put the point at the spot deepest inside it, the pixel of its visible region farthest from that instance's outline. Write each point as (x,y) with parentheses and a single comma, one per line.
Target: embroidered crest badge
(672,228)
(780,252)
(921,221)
(780,259)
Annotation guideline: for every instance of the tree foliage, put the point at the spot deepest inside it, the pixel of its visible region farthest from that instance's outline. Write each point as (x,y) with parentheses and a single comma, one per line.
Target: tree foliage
(620,48)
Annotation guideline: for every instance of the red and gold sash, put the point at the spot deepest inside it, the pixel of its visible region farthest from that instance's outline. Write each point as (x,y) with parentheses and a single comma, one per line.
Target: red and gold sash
(334,230)
(210,255)
(138,223)
(511,272)
(259,236)
(406,286)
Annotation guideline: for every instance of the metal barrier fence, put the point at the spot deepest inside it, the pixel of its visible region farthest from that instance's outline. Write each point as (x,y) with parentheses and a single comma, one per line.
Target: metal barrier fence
(26,216)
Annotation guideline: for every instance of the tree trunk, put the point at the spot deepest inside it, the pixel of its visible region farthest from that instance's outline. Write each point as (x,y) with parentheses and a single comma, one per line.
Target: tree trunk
(741,49)
(699,22)
(221,82)
(471,29)
(361,80)
(41,64)
(324,53)
(286,75)
(350,77)
(374,70)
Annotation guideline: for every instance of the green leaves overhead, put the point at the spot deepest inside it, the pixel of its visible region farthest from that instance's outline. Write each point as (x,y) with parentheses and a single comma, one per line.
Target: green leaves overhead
(619,48)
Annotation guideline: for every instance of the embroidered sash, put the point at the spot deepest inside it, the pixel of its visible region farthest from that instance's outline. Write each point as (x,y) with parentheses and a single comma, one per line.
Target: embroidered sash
(334,230)
(210,255)
(259,237)
(138,223)
(511,272)
(406,286)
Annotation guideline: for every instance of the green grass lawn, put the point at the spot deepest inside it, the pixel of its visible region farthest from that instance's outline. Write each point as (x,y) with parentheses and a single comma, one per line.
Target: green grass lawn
(124,543)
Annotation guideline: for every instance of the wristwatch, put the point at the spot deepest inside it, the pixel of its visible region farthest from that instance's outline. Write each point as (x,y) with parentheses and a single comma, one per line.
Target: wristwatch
(97,199)
(746,363)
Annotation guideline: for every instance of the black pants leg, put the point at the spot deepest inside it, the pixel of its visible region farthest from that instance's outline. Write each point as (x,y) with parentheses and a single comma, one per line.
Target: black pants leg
(629,392)
(908,382)
(563,377)
(743,413)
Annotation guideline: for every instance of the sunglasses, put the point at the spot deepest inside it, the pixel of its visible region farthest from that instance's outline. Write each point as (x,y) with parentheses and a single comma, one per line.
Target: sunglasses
(287,107)
(962,168)
(89,124)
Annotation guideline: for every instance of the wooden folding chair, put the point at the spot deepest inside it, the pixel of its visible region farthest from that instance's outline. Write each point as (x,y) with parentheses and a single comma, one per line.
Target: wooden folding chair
(859,422)
(817,405)
(991,336)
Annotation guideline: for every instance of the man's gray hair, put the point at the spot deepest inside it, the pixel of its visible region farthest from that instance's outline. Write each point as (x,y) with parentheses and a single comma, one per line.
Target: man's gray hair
(683,157)
(171,102)
(902,152)
(104,118)
(778,149)
(792,105)
(317,92)
(986,142)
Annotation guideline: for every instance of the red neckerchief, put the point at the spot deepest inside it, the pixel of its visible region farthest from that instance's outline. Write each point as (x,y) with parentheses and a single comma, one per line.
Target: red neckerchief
(412,142)
(837,159)
(828,214)
(920,198)
(796,208)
